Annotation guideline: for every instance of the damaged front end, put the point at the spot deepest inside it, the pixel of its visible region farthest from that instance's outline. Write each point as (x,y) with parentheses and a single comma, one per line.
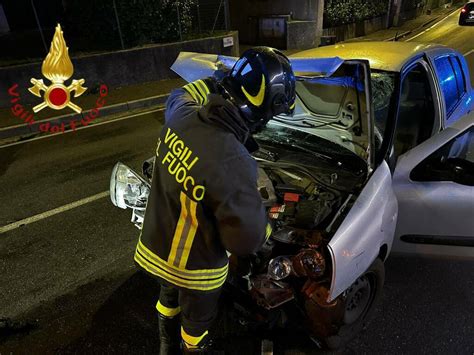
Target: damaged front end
(306,205)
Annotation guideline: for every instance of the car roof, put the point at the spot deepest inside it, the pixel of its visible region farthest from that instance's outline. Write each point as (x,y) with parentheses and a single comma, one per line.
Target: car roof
(390,56)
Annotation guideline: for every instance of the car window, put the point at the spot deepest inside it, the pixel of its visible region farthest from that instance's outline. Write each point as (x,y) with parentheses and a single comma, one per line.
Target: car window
(416,112)
(460,79)
(469,6)
(454,161)
(449,83)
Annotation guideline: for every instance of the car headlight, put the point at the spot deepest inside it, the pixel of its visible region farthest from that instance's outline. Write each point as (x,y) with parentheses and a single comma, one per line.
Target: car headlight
(279,268)
(127,188)
(309,262)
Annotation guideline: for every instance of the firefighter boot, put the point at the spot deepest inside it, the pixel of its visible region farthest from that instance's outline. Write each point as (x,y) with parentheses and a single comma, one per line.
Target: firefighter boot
(196,345)
(205,348)
(169,335)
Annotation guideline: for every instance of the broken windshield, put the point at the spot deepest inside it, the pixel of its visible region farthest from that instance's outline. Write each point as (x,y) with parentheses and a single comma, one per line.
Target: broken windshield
(383,86)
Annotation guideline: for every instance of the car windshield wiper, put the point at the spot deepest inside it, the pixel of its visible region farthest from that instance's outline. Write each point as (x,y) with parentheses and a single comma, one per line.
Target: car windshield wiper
(265,154)
(271,156)
(304,123)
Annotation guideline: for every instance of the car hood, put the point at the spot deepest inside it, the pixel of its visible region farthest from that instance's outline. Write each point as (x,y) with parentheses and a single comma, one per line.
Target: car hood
(333,98)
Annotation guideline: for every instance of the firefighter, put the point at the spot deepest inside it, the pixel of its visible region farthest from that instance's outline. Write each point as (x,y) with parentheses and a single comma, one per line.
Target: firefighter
(203,199)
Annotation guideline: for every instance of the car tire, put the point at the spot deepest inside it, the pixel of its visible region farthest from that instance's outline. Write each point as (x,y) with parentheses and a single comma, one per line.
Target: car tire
(363,297)
(461,22)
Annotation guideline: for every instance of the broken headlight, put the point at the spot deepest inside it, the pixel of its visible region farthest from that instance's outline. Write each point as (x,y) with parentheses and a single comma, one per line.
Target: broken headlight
(310,263)
(279,268)
(307,263)
(127,188)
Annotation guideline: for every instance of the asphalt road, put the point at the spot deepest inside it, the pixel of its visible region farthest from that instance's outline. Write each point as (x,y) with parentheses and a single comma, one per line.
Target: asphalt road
(68,283)
(448,32)
(43,259)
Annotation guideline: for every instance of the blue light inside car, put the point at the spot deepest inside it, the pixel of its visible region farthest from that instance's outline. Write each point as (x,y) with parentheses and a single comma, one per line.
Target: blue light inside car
(452,89)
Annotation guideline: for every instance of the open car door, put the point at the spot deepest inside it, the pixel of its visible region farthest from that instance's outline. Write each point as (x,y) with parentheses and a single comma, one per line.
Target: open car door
(434,184)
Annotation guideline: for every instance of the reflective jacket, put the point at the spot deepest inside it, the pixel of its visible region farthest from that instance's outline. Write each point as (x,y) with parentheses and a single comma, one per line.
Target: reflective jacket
(204,197)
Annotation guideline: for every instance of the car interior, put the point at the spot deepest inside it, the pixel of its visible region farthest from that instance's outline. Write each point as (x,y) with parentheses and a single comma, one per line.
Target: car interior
(452,162)
(416,114)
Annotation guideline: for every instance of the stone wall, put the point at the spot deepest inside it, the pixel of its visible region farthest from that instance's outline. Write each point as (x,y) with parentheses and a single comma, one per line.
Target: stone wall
(119,68)
(303,34)
(302,15)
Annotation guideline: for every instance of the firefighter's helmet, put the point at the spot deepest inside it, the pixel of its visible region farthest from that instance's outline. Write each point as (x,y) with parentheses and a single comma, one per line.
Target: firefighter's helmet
(262,85)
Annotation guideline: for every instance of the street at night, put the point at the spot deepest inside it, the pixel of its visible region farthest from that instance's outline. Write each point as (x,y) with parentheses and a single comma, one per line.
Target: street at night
(69,283)
(446,32)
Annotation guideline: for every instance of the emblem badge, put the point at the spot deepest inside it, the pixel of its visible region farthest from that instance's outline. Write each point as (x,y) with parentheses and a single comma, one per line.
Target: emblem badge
(256,100)
(57,67)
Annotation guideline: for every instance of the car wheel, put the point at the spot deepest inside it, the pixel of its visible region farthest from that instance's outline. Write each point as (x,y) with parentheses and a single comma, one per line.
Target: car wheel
(361,299)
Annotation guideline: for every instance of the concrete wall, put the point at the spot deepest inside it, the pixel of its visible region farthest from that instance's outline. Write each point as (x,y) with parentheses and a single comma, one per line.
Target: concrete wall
(307,14)
(433,4)
(303,34)
(358,29)
(407,15)
(116,69)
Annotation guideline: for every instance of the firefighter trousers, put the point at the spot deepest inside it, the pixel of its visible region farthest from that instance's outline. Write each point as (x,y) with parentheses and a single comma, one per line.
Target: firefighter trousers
(198,310)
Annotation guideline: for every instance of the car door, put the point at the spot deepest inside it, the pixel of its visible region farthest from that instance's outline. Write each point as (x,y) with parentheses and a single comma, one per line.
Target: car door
(434,185)
(452,74)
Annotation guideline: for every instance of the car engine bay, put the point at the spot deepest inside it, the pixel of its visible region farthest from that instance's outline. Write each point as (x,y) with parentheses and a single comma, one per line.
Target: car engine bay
(303,212)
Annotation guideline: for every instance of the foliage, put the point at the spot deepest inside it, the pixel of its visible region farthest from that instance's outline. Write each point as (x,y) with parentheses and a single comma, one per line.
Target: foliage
(91,23)
(339,12)
(141,21)
(154,21)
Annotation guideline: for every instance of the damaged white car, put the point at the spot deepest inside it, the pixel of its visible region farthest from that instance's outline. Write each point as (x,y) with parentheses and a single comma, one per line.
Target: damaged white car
(369,142)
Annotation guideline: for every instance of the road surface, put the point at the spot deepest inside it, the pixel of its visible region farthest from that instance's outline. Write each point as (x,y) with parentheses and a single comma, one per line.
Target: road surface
(448,33)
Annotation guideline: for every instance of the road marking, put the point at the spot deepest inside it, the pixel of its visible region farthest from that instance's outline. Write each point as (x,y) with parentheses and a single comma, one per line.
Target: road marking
(436,24)
(52,212)
(469,52)
(84,127)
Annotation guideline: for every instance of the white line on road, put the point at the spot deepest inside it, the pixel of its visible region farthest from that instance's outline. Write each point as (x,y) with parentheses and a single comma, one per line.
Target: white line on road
(436,24)
(53,212)
(469,52)
(84,127)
